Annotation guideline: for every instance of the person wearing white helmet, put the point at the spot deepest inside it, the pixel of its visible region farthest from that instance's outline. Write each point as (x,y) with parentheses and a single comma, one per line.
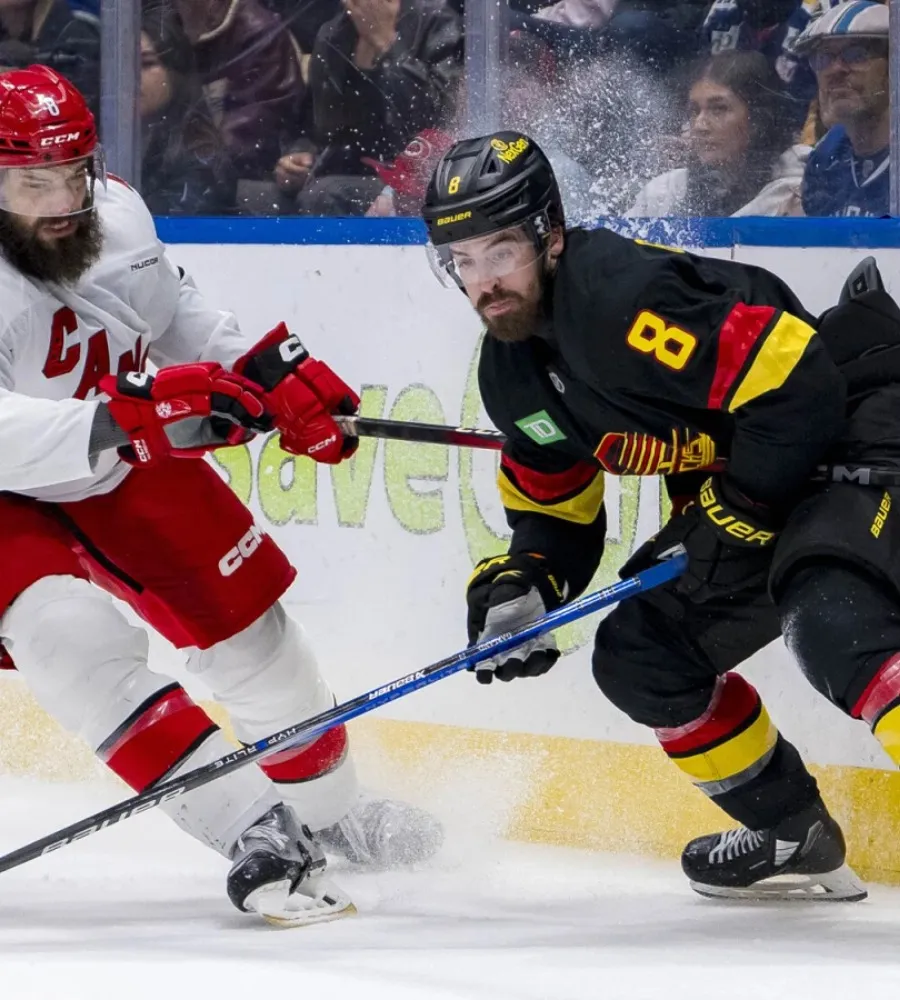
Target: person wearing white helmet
(848,172)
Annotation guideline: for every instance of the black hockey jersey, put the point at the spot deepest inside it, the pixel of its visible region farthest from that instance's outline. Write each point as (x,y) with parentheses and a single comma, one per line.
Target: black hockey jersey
(653,362)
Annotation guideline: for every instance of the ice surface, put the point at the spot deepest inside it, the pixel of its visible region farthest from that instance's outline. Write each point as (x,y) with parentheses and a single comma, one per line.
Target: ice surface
(139,911)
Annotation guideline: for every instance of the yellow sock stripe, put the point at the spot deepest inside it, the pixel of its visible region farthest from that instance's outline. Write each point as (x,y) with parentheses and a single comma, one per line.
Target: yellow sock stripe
(734,755)
(782,349)
(581,508)
(887,731)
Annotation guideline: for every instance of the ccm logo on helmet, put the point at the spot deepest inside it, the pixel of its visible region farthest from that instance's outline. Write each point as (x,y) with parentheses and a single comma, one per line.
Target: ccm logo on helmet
(234,558)
(60,140)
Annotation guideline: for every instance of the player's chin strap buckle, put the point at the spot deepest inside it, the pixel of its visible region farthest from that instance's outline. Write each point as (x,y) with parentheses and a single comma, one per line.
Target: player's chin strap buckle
(862,475)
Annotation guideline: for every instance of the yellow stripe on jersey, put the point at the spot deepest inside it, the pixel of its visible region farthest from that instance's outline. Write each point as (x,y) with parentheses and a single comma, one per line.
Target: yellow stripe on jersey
(582,508)
(733,756)
(780,352)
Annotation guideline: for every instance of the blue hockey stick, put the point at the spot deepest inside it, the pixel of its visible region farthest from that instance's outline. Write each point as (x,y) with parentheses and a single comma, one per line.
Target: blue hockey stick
(307,731)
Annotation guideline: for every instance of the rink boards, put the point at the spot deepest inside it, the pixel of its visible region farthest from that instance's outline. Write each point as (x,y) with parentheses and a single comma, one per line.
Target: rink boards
(384,545)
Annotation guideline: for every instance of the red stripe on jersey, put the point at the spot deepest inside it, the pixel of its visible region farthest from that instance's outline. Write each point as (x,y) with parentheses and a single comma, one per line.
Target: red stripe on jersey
(162,735)
(733,703)
(120,180)
(737,335)
(880,692)
(309,761)
(546,487)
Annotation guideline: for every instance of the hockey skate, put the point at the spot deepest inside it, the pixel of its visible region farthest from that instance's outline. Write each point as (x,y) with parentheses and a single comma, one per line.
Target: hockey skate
(383,833)
(277,873)
(801,859)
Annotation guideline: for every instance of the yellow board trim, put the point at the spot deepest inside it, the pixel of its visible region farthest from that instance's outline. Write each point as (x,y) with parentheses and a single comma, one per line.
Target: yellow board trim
(582,508)
(568,792)
(601,795)
(781,350)
(733,756)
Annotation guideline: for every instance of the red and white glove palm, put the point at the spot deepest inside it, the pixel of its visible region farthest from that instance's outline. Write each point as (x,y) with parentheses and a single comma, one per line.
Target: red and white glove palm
(302,395)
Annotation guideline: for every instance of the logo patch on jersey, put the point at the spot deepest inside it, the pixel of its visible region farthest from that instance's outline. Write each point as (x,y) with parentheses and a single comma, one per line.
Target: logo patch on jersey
(147,262)
(557,383)
(540,428)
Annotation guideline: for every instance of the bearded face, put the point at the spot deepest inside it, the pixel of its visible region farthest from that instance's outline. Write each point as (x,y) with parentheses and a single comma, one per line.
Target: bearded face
(504,277)
(48,226)
(54,250)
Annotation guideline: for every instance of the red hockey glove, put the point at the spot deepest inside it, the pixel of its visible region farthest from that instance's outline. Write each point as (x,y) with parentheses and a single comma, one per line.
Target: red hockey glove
(302,395)
(184,410)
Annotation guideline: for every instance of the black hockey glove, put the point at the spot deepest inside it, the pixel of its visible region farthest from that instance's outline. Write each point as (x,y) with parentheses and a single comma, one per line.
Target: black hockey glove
(729,542)
(504,593)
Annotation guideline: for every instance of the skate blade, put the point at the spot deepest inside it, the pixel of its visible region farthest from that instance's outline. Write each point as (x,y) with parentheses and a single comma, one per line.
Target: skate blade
(279,907)
(840,886)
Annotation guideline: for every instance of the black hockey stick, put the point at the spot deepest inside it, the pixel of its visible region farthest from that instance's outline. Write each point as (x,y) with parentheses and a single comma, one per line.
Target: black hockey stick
(862,475)
(403,430)
(310,729)
(471,437)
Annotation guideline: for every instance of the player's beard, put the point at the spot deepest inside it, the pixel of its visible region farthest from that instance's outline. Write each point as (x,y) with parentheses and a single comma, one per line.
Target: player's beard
(518,323)
(62,262)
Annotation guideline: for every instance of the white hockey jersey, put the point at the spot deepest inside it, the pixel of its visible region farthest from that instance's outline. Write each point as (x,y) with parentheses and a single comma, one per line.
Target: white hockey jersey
(56,342)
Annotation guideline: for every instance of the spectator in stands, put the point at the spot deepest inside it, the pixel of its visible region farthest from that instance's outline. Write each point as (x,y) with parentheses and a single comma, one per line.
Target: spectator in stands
(663,35)
(46,31)
(405,181)
(250,65)
(305,17)
(185,168)
(848,172)
(740,158)
(770,27)
(88,8)
(579,13)
(382,71)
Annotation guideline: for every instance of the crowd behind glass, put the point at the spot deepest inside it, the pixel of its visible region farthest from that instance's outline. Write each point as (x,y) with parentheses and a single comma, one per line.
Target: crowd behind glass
(341,107)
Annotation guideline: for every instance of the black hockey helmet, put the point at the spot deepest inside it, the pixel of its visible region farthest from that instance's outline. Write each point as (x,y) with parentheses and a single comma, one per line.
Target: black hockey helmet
(494,182)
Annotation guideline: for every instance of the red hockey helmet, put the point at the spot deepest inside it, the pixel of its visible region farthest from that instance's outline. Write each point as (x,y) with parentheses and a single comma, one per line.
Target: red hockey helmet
(43,119)
(50,159)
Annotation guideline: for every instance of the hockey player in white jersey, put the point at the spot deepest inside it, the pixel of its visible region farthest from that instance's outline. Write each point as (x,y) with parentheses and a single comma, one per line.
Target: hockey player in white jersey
(103,490)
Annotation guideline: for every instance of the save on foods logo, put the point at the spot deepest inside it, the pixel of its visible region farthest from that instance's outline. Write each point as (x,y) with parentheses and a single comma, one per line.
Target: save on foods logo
(416,482)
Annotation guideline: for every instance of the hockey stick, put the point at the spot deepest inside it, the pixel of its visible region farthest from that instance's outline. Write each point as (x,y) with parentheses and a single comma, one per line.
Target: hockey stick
(311,728)
(474,437)
(862,475)
(404,430)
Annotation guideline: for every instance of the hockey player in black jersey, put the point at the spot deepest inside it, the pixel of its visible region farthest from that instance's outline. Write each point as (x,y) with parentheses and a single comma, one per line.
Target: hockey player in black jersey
(608,355)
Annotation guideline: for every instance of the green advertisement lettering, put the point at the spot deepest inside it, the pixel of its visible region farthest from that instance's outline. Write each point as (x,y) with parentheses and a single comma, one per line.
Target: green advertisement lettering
(416,478)
(418,510)
(351,481)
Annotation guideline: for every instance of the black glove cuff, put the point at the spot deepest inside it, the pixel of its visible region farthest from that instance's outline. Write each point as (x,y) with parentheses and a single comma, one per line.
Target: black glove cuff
(522,569)
(273,363)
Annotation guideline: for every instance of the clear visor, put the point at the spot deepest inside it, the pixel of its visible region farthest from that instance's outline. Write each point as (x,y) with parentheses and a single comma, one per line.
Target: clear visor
(483,260)
(55,190)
